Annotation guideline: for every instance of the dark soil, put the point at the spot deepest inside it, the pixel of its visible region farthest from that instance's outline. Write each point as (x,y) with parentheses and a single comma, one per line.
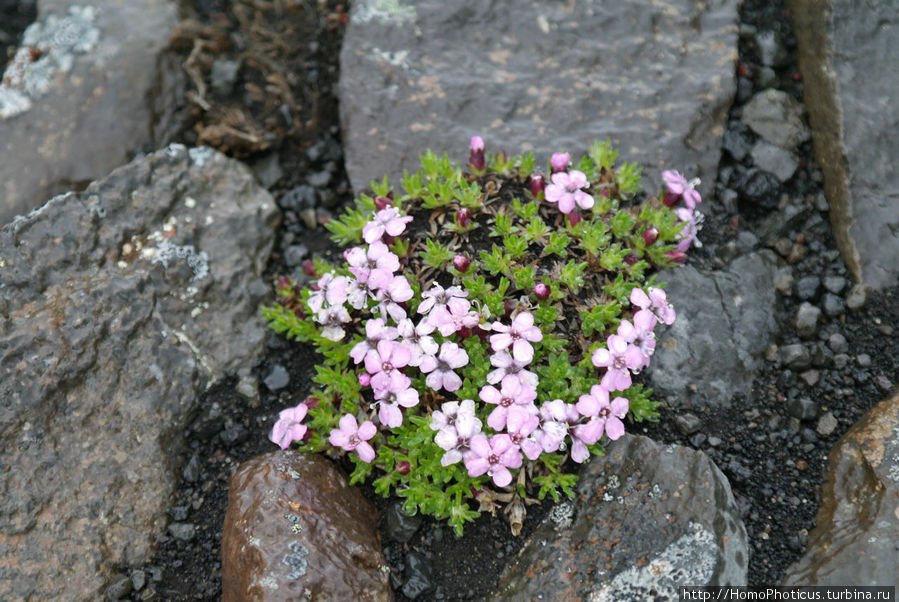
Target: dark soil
(283,102)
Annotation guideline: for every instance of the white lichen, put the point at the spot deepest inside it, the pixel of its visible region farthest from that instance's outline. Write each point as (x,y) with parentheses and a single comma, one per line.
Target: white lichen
(384,11)
(166,251)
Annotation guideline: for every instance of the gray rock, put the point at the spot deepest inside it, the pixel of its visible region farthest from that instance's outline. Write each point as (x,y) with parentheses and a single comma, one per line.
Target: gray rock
(118,589)
(783,281)
(737,140)
(775,160)
(833,305)
(834,284)
(295,254)
(845,54)
(81,108)
(418,576)
(837,343)
(808,287)
(854,540)
(268,170)
(400,526)
(722,330)
(277,379)
(807,317)
(431,74)
(840,361)
(795,356)
(156,270)
(857,297)
(688,423)
(777,118)
(182,531)
(223,76)
(299,198)
(802,408)
(746,241)
(863,360)
(827,424)
(771,49)
(672,517)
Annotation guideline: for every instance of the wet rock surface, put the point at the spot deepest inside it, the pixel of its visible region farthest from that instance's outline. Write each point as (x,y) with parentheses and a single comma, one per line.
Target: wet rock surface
(295,529)
(88,87)
(854,540)
(844,55)
(658,81)
(120,305)
(647,519)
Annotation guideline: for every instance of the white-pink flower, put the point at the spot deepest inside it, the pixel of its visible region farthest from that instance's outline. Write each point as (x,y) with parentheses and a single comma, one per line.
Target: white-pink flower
(505,365)
(387,221)
(332,320)
(333,288)
(288,428)
(494,457)
(678,184)
(389,297)
(437,297)
(384,364)
(640,334)
(353,437)
(453,317)
(418,339)
(553,426)
(654,302)
(566,191)
(608,414)
(519,336)
(441,369)
(620,359)
(376,330)
(377,257)
(389,403)
(512,393)
(456,426)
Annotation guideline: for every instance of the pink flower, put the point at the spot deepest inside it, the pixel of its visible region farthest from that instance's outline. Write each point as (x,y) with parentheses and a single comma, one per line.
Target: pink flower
(378,257)
(350,437)
(678,185)
(640,335)
(566,190)
(418,339)
(440,369)
(288,428)
(388,403)
(332,319)
(506,365)
(559,162)
(456,430)
(494,457)
(476,159)
(687,234)
(620,358)
(384,365)
(551,430)
(376,330)
(386,220)
(583,435)
(517,336)
(522,420)
(655,302)
(513,392)
(608,414)
(437,297)
(453,317)
(391,294)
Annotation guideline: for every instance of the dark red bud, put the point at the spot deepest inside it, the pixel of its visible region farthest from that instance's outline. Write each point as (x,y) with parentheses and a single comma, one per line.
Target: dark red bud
(631,259)
(508,306)
(542,291)
(387,239)
(537,184)
(671,199)
(382,202)
(463,217)
(676,256)
(283,282)
(477,160)
(311,402)
(461,263)
(465,332)
(650,235)
(403,467)
(308,267)
(604,192)
(574,218)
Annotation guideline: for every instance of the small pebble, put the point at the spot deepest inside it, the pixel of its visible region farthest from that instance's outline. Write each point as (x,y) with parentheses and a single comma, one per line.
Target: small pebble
(827,424)
(835,284)
(182,531)
(278,378)
(688,423)
(840,361)
(883,383)
(714,441)
(863,360)
(802,408)
(807,317)
(795,356)
(857,297)
(833,305)
(810,377)
(783,281)
(772,353)
(801,465)
(807,287)
(837,343)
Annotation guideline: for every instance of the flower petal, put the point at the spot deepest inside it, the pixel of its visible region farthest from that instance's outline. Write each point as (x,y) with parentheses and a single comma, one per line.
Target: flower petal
(366,452)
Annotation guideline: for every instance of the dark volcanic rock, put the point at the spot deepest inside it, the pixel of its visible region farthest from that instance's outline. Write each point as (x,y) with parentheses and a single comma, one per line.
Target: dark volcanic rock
(846,54)
(101,88)
(655,77)
(121,304)
(855,538)
(648,517)
(295,530)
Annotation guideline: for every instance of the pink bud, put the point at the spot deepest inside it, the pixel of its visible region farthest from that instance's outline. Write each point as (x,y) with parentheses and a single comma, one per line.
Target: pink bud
(461,263)
(650,235)
(382,202)
(537,184)
(283,282)
(508,306)
(465,332)
(560,162)
(463,217)
(364,379)
(477,144)
(671,199)
(574,218)
(308,267)
(403,467)
(542,291)
(676,256)
(311,402)
(631,259)
(476,159)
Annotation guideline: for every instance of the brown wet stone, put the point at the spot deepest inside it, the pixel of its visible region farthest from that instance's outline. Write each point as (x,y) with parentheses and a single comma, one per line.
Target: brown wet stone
(295,530)
(855,540)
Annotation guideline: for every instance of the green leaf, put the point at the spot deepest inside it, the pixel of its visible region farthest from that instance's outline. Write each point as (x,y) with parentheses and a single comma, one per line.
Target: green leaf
(496,261)
(602,154)
(435,254)
(558,242)
(599,318)
(572,275)
(516,246)
(503,226)
(628,176)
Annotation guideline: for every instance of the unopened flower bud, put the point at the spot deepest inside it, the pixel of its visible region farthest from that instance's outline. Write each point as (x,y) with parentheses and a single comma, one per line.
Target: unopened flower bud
(671,199)
(308,267)
(477,160)
(676,256)
(465,332)
(283,282)
(559,162)
(311,402)
(508,307)
(463,217)
(631,259)
(537,184)
(364,379)
(382,202)
(542,291)
(403,467)
(574,218)
(461,263)
(650,235)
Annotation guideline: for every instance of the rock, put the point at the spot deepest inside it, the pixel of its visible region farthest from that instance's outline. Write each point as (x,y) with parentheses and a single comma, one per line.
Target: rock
(808,287)
(223,76)
(400,526)
(418,575)
(783,281)
(771,49)
(648,517)
(295,254)
(857,297)
(295,530)
(775,160)
(688,423)
(795,356)
(837,343)
(845,55)
(125,302)
(298,198)
(863,360)
(777,118)
(854,540)
(756,186)
(182,531)
(827,424)
(802,408)
(834,284)
(807,317)
(724,324)
(833,305)
(268,170)
(737,140)
(659,81)
(118,589)
(81,109)
(277,379)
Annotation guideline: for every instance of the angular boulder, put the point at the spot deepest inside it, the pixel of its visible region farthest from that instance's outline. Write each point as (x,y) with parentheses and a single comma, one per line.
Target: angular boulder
(725,321)
(855,534)
(648,519)
(295,530)
(657,77)
(89,86)
(119,306)
(847,59)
